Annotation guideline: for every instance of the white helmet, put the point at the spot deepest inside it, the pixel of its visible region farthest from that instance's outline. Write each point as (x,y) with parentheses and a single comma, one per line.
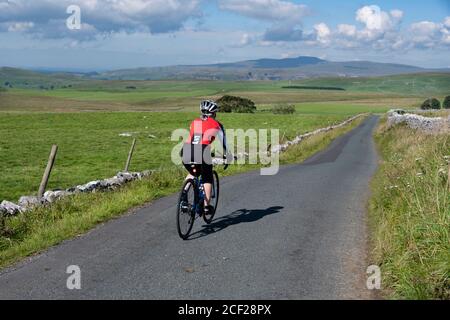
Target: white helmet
(208,107)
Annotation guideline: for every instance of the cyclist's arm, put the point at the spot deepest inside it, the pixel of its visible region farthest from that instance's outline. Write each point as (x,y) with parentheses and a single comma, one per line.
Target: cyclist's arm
(223,139)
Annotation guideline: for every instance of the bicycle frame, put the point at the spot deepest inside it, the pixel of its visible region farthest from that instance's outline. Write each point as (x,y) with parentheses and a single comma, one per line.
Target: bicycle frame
(199,195)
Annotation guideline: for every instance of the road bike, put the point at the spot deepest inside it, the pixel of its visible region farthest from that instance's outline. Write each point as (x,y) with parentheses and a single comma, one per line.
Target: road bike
(191,202)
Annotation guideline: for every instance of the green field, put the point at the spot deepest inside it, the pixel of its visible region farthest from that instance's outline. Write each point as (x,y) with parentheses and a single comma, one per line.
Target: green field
(31,119)
(90,145)
(97,95)
(412,84)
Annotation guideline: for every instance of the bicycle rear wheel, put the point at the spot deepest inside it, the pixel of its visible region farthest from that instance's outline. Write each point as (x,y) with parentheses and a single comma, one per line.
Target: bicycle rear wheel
(214,198)
(185,209)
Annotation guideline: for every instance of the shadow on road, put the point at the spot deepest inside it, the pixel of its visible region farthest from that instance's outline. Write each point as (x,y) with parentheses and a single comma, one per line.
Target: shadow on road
(236,217)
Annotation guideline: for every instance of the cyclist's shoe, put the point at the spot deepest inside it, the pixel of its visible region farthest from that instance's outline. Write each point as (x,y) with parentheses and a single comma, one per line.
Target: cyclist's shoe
(209,211)
(185,207)
(184,203)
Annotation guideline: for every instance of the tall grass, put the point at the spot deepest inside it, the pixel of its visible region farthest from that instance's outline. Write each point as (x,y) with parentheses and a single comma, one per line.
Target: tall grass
(410,213)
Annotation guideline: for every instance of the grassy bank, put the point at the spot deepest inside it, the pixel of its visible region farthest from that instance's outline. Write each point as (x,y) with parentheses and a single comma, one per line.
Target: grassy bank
(410,214)
(27,234)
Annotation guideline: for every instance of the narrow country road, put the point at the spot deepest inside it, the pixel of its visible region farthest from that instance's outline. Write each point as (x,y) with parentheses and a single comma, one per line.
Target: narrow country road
(298,235)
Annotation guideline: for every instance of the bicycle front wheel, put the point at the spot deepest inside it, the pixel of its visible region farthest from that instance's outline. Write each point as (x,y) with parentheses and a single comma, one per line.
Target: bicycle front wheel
(214,198)
(185,209)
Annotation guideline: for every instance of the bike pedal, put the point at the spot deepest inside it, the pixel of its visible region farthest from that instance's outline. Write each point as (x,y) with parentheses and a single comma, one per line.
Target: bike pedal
(184,208)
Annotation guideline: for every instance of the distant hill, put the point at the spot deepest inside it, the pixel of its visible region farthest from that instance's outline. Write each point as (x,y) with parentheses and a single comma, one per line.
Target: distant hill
(271,63)
(262,69)
(266,69)
(13,77)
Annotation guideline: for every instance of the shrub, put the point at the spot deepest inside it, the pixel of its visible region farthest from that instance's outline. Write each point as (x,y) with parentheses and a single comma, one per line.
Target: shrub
(236,104)
(446,103)
(284,109)
(431,103)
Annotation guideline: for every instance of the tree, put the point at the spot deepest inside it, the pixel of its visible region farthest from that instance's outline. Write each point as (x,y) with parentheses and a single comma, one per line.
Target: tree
(236,104)
(431,103)
(446,103)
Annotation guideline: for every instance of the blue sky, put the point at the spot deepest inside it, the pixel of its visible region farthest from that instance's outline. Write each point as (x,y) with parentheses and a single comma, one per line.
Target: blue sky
(134,33)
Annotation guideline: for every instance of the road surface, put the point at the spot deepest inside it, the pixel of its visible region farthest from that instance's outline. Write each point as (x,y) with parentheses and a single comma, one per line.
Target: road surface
(298,235)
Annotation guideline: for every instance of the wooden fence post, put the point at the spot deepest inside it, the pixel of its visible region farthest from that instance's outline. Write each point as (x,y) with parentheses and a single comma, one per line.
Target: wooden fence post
(448,178)
(130,154)
(48,170)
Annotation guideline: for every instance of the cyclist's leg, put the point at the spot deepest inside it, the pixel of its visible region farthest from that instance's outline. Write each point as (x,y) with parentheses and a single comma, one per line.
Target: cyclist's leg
(207,173)
(189,168)
(188,157)
(207,176)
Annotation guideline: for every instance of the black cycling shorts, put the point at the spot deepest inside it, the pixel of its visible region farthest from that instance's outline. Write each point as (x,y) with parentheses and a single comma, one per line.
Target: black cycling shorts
(198,161)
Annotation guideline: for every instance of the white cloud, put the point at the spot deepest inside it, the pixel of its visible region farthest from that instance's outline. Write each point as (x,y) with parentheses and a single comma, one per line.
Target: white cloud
(246,39)
(372,17)
(270,10)
(425,28)
(376,22)
(379,30)
(285,16)
(19,26)
(99,16)
(323,33)
(425,34)
(285,55)
(446,36)
(382,31)
(347,30)
(397,14)
(447,22)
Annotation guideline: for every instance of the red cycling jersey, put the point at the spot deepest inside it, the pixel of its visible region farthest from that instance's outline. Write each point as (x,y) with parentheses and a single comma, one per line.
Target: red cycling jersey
(204,131)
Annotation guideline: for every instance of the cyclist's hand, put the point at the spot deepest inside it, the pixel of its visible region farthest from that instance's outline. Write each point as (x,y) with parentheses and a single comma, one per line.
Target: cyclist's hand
(229,158)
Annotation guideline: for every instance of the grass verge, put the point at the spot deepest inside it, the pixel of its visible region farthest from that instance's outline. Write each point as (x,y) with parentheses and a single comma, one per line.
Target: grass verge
(410,213)
(31,233)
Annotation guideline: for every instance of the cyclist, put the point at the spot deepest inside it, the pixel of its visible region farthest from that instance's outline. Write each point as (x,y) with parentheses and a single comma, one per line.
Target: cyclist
(196,153)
